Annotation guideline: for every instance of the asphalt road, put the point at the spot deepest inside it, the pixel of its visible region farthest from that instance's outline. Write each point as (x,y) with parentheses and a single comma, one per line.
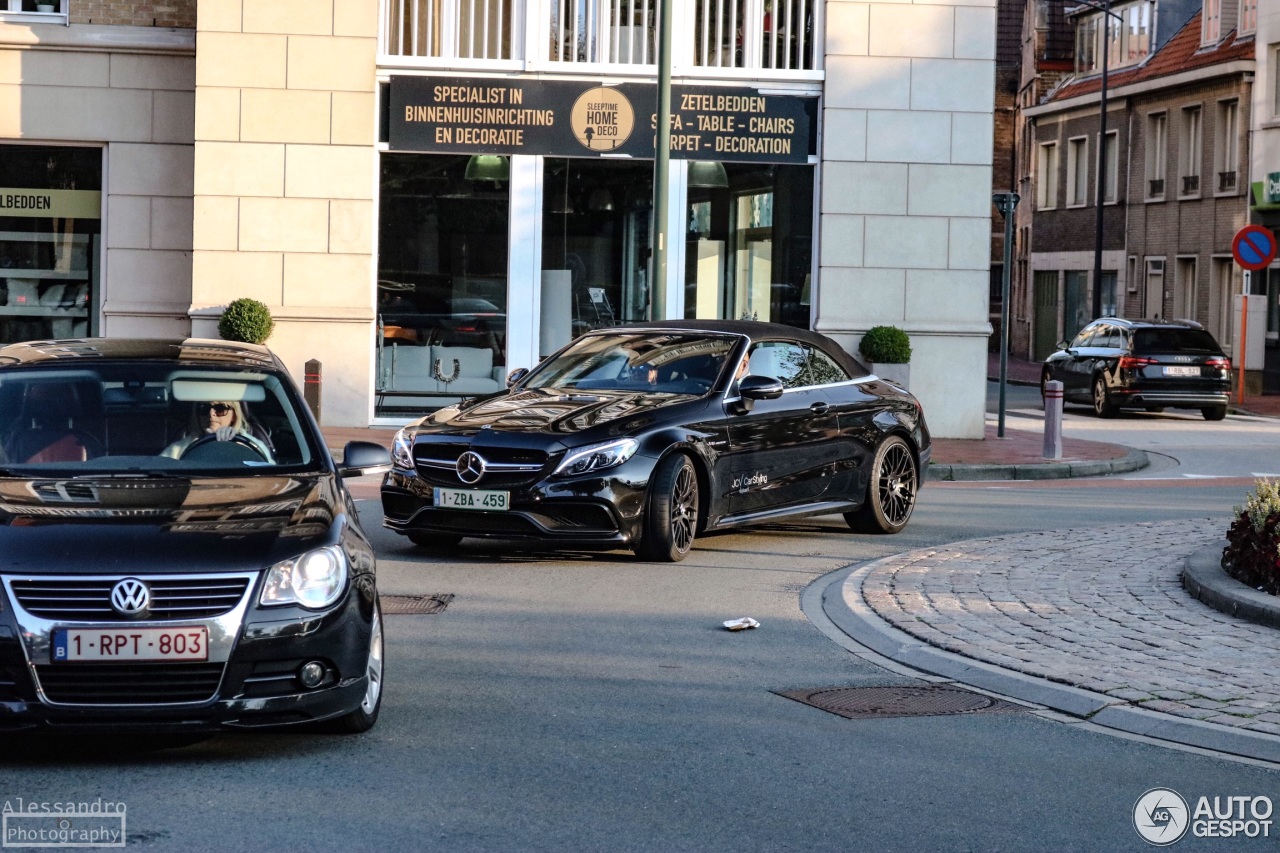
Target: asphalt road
(593,702)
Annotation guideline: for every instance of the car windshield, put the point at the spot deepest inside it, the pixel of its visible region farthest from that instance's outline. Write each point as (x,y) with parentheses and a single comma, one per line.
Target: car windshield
(655,363)
(1154,341)
(149,417)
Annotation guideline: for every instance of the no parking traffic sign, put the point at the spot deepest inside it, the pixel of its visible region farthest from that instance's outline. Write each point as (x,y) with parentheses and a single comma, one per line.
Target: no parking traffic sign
(1254,247)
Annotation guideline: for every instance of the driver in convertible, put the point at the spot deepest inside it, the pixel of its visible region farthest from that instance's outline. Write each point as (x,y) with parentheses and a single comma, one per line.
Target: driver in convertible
(225,421)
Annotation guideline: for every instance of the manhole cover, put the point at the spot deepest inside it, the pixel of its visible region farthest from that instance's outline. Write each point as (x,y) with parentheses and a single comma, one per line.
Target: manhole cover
(414,605)
(859,703)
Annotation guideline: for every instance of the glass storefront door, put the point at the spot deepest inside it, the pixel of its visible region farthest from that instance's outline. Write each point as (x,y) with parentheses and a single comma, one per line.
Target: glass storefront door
(749,246)
(442,280)
(596,222)
(50,227)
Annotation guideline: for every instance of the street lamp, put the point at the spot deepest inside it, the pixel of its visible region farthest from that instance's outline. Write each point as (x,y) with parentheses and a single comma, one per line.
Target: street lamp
(1100,193)
(661,167)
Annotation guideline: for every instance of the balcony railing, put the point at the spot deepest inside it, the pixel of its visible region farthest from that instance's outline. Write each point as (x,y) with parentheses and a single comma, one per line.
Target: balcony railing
(618,31)
(1226,181)
(454,29)
(1155,188)
(728,34)
(1190,184)
(754,34)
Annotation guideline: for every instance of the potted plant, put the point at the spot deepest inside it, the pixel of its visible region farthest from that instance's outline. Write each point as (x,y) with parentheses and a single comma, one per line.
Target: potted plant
(887,352)
(1252,555)
(247,321)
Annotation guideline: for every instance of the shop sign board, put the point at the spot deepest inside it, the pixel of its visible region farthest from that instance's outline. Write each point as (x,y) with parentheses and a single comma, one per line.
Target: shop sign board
(60,204)
(565,118)
(1271,189)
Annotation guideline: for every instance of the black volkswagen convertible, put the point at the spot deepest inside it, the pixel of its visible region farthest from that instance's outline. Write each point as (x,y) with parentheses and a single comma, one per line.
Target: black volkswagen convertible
(177,548)
(645,436)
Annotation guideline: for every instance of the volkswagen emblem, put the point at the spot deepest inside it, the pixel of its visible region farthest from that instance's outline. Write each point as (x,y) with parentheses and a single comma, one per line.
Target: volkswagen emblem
(130,597)
(470,467)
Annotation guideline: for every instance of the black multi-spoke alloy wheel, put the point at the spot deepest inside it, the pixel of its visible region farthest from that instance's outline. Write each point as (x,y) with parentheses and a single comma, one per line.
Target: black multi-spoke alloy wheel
(1214,413)
(366,713)
(433,540)
(891,490)
(1102,405)
(672,517)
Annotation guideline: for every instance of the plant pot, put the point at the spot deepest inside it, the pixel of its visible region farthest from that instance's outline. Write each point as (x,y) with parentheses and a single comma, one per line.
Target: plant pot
(899,374)
(44,7)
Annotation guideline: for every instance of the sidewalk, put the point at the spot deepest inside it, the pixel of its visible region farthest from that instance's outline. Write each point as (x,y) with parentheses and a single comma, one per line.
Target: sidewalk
(1091,623)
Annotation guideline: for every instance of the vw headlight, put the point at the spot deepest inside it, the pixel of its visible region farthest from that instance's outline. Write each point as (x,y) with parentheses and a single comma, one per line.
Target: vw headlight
(598,456)
(402,449)
(313,580)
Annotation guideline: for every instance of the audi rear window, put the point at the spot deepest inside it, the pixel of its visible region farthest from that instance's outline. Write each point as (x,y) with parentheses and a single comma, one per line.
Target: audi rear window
(1155,341)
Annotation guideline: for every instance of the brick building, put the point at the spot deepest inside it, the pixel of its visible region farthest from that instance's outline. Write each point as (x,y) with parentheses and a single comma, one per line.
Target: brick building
(1174,195)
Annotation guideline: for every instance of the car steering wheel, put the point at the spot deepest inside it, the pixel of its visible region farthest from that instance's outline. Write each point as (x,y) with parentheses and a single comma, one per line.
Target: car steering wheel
(239,438)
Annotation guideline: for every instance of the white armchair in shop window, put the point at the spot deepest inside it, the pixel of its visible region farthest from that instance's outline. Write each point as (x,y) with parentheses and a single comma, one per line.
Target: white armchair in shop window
(421,369)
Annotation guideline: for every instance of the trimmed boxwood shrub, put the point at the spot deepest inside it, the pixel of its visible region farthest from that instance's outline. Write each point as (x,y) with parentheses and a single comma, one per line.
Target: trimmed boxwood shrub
(247,321)
(1252,555)
(885,345)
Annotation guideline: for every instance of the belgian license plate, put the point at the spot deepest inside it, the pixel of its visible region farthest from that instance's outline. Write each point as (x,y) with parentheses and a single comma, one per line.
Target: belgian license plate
(104,645)
(472,499)
(1181,371)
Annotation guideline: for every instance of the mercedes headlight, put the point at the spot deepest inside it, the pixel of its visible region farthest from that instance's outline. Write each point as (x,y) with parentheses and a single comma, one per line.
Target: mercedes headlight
(313,580)
(598,456)
(402,449)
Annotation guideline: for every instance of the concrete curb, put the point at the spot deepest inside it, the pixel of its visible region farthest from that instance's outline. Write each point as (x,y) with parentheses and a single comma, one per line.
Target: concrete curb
(1132,461)
(843,605)
(1204,578)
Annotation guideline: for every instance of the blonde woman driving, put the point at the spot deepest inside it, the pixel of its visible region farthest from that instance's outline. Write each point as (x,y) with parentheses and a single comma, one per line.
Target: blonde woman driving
(220,420)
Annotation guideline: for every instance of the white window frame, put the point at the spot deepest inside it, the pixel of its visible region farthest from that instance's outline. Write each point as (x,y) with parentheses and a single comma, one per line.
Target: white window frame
(1184,291)
(1047,176)
(1211,22)
(1224,283)
(1191,150)
(1157,155)
(11,12)
(1120,37)
(1077,171)
(1110,150)
(1274,51)
(1226,149)
(1248,16)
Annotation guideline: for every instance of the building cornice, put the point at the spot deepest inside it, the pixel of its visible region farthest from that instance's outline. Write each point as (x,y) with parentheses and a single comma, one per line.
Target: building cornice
(1185,78)
(98,38)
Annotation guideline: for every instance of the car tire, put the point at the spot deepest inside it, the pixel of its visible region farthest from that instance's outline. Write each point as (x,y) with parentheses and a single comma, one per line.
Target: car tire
(1155,410)
(671,517)
(1214,413)
(434,540)
(1102,405)
(366,713)
(891,490)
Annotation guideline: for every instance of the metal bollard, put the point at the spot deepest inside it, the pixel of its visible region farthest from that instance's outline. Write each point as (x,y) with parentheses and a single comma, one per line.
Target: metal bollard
(311,387)
(1053,420)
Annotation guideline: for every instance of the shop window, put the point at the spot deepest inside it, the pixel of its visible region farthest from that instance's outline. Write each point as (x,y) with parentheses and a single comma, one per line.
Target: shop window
(749,246)
(442,279)
(596,219)
(50,228)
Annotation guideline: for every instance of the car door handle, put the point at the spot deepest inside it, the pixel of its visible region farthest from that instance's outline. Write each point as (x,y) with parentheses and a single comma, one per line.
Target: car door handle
(819,408)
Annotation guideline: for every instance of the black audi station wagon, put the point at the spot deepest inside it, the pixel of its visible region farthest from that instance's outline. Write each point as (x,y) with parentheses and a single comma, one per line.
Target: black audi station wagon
(177,547)
(644,436)
(1115,363)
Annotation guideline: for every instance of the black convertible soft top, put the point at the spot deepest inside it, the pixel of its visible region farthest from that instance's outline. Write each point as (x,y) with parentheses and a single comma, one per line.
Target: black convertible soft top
(758,331)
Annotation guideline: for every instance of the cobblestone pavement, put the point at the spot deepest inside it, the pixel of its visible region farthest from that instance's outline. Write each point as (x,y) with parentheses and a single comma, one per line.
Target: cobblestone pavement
(1101,609)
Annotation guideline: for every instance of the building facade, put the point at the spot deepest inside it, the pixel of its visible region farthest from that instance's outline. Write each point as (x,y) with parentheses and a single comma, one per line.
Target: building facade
(1264,185)
(1180,98)
(430,193)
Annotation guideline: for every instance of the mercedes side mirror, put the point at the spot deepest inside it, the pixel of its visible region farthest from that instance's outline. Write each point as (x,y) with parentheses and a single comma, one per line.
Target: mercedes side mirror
(516,375)
(752,388)
(364,457)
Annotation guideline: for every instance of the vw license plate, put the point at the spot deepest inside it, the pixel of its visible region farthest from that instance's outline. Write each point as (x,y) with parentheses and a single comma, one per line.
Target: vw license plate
(1181,371)
(105,645)
(472,499)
